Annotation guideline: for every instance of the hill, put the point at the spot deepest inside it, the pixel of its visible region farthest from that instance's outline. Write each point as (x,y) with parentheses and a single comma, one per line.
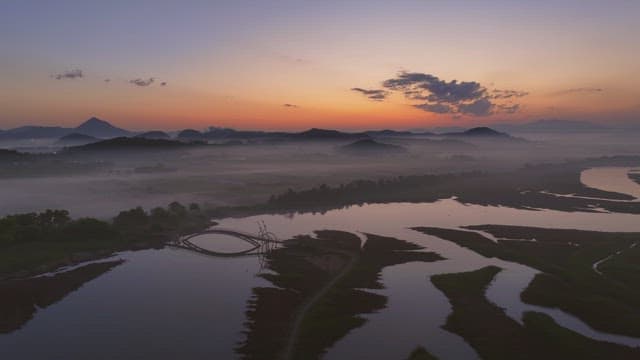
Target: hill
(324,134)
(125,143)
(190,135)
(34,132)
(100,129)
(394,133)
(552,126)
(482,131)
(154,135)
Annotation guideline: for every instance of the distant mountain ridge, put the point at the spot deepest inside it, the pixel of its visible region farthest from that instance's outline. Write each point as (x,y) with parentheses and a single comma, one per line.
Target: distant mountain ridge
(127,143)
(552,126)
(92,127)
(156,134)
(35,132)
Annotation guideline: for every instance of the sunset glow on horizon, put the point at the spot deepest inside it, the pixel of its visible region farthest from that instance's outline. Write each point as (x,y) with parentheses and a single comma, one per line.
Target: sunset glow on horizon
(298,64)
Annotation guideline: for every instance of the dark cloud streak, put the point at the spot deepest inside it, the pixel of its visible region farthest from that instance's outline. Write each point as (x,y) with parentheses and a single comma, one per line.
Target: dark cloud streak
(373,94)
(71,74)
(579,90)
(142,82)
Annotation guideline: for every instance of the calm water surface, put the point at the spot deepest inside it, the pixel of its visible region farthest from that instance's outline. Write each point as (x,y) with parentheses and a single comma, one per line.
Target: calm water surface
(167,304)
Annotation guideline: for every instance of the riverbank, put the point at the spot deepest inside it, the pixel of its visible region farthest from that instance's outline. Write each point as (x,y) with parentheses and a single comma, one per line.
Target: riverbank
(37,243)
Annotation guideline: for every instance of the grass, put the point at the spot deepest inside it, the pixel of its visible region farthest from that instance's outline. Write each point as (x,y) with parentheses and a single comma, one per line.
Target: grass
(33,243)
(496,336)
(297,276)
(609,302)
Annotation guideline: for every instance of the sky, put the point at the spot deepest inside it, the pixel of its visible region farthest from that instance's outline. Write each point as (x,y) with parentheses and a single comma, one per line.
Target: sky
(165,64)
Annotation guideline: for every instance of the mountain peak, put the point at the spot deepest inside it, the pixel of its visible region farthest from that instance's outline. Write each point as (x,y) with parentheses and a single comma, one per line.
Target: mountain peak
(483,131)
(95,120)
(100,128)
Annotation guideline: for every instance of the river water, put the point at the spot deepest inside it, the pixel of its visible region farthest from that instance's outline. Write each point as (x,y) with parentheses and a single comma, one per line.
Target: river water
(170,303)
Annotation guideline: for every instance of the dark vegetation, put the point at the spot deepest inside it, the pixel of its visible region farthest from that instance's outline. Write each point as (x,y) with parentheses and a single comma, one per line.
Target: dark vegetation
(523,188)
(22,298)
(496,336)
(635,176)
(33,243)
(609,301)
(333,272)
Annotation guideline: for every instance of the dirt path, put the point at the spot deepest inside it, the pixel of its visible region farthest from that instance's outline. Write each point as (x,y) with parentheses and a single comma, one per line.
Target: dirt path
(295,329)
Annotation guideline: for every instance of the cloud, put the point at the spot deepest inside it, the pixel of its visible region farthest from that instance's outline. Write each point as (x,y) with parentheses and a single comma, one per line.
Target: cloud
(509,108)
(290,105)
(373,94)
(447,97)
(480,107)
(71,74)
(419,86)
(142,82)
(435,108)
(507,94)
(579,90)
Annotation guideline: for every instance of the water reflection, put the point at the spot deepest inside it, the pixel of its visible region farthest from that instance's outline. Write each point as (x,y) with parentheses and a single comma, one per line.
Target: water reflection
(614,179)
(172,303)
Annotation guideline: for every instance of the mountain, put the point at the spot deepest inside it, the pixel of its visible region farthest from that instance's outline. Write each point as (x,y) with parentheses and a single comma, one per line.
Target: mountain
(551,126)
(479,132)
(131,143)
(190,135)
(76,139)
(394,133)
(34,132)
(370,146)
(100,129)
(324,134)
(154,135)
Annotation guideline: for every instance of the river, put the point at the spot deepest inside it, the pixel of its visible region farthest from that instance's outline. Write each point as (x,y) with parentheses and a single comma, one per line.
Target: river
(171,303)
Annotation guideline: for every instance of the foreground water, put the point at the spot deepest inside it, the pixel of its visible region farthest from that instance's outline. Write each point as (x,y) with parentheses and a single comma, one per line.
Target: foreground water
(167,304)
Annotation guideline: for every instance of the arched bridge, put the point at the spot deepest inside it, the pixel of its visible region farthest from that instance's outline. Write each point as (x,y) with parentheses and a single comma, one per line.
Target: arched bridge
(261,243)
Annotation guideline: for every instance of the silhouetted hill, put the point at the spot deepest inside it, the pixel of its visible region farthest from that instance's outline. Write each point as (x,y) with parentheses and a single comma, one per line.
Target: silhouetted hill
(394,133)
(370,146)
(324,134)
(215,133)
(126,143)
(154,135)
(480,132)
(76,139)
(552,125)
(190,135)
(100,129)
(34,132)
